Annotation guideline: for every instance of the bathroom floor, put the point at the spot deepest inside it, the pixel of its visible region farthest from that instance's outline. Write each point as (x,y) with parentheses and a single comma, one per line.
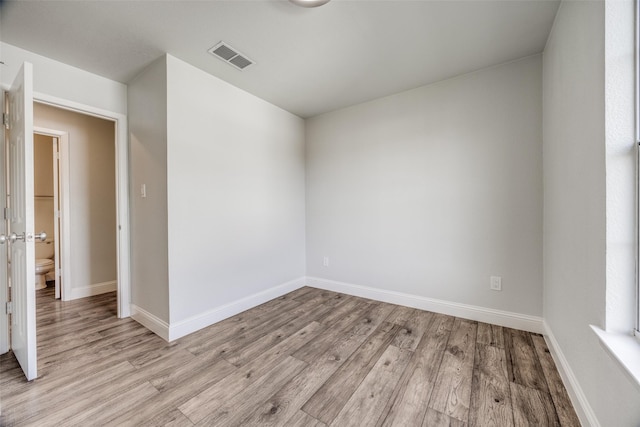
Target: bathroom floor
(309,358)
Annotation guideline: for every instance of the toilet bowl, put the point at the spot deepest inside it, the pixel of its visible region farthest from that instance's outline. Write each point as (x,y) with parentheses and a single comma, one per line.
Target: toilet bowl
(43,266)
(44,262)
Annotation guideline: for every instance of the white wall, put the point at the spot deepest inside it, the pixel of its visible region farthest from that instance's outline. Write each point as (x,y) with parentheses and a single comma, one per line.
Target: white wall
(64,81)
(577,158)
(235,193)
(431,191)
(148,165)
(92,196)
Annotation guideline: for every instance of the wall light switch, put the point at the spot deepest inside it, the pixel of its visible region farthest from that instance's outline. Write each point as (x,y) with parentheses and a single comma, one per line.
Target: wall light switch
(496,283)
(143,191)
(325,261)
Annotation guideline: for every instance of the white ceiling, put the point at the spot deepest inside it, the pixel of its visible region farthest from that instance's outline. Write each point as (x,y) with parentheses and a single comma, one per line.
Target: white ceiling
(308,61)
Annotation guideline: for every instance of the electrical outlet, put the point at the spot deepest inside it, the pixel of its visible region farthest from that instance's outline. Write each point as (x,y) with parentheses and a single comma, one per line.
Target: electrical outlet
(496,283)
(325,261)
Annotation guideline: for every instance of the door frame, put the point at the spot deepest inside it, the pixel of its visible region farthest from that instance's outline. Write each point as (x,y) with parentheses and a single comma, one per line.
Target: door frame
(63,179)
(122,191)
(4,283)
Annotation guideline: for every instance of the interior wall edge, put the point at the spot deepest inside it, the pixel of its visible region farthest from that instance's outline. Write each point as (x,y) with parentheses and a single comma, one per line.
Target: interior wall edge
(194,323)
(92,290)
(150,321)
(471,312)
(579,400)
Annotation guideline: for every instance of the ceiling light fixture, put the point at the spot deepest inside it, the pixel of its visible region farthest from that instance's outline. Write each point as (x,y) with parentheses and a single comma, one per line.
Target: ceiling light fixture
(309,3)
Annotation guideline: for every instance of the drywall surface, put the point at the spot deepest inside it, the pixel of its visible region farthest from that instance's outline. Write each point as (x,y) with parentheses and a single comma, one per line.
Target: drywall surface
(43,166)
(432,191)
(576,155)
(148,159)
(57,79)
(92,198)
(235,193)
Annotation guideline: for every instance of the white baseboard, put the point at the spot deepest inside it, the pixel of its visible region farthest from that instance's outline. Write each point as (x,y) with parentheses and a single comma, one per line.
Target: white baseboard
(481,314)
(195,323)
(151,322)
(578,399)
(91,290)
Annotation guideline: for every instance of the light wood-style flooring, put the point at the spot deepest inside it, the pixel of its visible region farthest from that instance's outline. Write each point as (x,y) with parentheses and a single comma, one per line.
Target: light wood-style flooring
(309,358)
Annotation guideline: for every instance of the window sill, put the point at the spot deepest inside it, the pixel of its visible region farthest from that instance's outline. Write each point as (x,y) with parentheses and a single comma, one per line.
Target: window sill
(625,349)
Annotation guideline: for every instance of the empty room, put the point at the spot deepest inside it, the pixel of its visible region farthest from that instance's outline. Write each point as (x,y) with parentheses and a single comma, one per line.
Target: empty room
(319,213)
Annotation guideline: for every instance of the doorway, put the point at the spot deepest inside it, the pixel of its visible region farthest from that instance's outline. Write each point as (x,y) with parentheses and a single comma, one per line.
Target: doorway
(87,208)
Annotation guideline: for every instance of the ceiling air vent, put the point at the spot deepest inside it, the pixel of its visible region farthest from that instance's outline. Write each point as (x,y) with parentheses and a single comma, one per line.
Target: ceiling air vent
(230,55)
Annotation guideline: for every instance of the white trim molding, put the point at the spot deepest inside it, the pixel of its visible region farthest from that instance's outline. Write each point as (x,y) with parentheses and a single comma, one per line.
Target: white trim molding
(624,349)
(171,332)
(195,323)
(481,314)
(91,290)
(578,399)
(151,322)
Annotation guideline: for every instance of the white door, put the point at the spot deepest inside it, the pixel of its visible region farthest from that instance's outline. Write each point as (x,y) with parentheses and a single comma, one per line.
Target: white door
(21,222)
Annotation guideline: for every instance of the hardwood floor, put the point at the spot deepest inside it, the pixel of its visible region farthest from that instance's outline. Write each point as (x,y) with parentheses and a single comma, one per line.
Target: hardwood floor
(309,358)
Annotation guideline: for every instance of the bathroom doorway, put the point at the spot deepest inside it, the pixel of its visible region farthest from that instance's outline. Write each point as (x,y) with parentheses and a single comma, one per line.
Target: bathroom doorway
(75,203)
(48,208)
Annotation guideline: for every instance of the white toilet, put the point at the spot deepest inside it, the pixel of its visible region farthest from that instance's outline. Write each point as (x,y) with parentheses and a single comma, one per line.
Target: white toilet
(45,266)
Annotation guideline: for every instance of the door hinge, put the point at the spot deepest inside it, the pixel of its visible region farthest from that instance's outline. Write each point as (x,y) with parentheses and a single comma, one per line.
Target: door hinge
(5,120)
(9,307)
(6,213)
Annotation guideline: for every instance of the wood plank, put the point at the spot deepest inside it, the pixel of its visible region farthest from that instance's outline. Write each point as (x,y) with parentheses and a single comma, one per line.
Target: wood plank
(532,407)
(400,315)
(241,352)
(343,324)
(176,388)
(452,391)
(114,386)
(104,410)
(248,330)
(198,407)
(566,414)
(490,393)
(327,402)
(408,405)
(234,409)
(168,418)
(366,404)
(40,401)
(434,418)
(522,363)
(299,294)
(412,330)
(302,419)
(349,306)
(284,404)
(490,335)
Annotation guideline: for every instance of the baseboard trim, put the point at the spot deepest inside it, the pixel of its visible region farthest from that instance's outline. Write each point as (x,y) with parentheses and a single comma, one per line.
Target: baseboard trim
(92,290)
(481,314)
(195,323)
(150,321)
(578,399)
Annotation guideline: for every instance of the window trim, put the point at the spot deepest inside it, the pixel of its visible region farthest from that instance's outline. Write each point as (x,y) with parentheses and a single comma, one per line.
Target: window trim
(637,132)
